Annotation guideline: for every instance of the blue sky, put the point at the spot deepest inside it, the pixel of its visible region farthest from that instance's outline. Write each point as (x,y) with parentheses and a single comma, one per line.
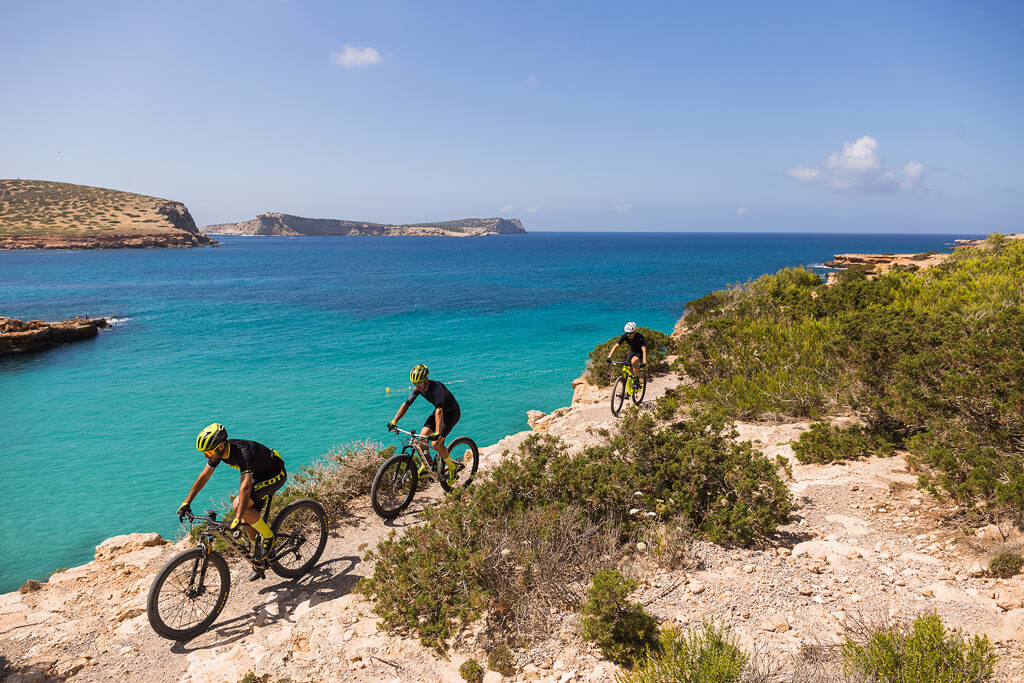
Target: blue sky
(741,116)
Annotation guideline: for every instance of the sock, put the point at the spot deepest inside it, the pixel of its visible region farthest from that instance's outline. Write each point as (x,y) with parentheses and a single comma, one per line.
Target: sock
(262,527)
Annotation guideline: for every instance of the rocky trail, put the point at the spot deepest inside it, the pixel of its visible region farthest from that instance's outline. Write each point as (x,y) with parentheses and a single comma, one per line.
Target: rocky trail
(863,544)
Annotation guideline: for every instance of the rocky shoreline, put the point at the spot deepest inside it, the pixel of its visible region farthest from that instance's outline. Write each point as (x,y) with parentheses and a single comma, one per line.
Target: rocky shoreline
(285,225)
(18,336)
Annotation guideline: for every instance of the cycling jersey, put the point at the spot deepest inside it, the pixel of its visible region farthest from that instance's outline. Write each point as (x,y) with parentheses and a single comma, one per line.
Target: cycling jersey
(438,396)
(250,457)
(636,344)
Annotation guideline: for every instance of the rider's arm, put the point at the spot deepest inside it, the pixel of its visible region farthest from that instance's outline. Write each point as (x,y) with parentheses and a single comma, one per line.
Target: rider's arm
(401,411)
(644,347)
(242,502)
(438,421)
(613,350)
(201,480)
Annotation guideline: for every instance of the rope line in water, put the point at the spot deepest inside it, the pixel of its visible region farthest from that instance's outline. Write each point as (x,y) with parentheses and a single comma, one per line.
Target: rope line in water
(388,390)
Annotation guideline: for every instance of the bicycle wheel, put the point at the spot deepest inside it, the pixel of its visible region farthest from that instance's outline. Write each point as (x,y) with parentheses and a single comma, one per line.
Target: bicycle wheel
(179,606)
(301,528)
(639,388)
(618,395)
(462,450)
(394,486)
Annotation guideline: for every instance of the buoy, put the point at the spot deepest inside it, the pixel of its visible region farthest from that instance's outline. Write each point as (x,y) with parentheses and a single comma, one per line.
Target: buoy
(387,390)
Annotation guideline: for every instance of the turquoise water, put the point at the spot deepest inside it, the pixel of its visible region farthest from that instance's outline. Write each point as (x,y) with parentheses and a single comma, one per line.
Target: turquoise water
(292,342)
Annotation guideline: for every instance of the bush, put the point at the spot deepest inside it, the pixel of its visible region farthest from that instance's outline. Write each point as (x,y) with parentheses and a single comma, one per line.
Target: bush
(471,671)
(925,651)
(1005,564)
(601,374)
(622,629)
(824,443)
(500,659)
(336,478)
(709,655)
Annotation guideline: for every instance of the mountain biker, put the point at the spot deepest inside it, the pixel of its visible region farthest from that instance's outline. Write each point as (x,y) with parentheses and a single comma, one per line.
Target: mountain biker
(440,422)
(637,356)
(262,471)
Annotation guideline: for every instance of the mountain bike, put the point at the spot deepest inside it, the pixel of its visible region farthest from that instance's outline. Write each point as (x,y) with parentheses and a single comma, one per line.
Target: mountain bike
(395,482)
(628,384)
(186,596)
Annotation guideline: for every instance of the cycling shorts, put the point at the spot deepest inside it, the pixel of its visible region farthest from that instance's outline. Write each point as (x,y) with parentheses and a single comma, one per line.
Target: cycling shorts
(450,418)
(631,356)
(262,489)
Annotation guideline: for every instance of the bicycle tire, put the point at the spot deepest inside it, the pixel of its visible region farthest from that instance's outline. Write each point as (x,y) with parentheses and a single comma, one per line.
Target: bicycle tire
(460,449)
(639,388)
(159,617)
(618,395)
(394,485)
(302,518)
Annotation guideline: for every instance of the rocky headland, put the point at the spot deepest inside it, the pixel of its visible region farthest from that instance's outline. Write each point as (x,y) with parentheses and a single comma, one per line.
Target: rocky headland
(36,214)
(284,225)
(18,336)
(881,263)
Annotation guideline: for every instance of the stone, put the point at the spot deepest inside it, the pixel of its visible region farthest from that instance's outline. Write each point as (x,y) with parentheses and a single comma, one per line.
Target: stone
(118,545)
(696,587)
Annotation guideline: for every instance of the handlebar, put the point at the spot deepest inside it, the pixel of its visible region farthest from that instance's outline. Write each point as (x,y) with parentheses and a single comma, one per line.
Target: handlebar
(415,435)
(620,362)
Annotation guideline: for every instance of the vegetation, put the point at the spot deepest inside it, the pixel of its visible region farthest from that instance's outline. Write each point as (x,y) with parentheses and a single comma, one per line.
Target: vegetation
(931,359)
(511,545)
(824,443)
(500,659)
(602,374)
(707,655)
(336,478)
(924,651)
(623,630)
(1005,564)
(471,671)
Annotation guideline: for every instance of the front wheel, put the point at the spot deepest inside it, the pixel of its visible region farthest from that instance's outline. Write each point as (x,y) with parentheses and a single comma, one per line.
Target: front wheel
(188,594)
(394,486)
(301,530)
(639,388)
(618,395)
(462,450)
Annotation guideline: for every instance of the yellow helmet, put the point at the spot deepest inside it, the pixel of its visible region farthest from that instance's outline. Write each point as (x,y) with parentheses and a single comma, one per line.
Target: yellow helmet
(211,437)
(418,373)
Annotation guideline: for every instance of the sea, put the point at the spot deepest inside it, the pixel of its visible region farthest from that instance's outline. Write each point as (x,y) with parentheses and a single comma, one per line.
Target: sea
(305,344)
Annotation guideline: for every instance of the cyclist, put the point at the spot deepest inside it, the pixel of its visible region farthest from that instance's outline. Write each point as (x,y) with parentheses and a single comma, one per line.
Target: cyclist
(440,422)
(637,356)
(262,471)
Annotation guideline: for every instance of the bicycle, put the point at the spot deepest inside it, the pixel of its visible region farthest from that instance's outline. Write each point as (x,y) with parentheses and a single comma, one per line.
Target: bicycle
(186,598)
(395,483)
(628,384)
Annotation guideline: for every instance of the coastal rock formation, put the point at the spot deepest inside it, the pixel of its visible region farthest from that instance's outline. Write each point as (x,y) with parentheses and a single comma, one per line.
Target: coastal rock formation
(17,336)
(281,224)
(37,214)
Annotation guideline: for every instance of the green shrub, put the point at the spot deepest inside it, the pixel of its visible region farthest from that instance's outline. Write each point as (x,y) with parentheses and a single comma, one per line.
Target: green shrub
(622,629)
(471,671)
(923,652)
(602,374)
(336,478)
(708,655)
(824,443)
(1005,564)
(500,659)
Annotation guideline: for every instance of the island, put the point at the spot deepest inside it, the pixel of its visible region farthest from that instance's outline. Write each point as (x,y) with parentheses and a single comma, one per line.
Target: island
(40,214)
(18,336)
(285,225)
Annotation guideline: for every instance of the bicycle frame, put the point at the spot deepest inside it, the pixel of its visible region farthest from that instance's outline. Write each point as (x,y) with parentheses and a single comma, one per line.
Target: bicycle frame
(241,542)
(418,446)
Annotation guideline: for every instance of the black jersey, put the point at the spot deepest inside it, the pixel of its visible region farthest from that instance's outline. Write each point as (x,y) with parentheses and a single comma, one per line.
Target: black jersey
(437,394)
(636,344)
(249,457)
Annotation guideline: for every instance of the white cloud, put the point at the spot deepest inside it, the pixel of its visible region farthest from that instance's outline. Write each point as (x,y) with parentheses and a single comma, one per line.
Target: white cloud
(742,211)
(353,57)
(506,209)
(858,169)
(532,209)
(622,208)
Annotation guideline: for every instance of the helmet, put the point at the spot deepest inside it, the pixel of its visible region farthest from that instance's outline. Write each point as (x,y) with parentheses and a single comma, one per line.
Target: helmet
(211,437)
(418,373)
(630,327)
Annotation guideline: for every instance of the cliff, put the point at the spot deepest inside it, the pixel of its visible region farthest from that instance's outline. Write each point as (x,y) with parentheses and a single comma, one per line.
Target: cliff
(37,214)
(17,336)
(281,224)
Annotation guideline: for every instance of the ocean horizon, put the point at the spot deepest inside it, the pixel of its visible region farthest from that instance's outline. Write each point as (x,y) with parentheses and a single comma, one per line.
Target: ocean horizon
(295,341)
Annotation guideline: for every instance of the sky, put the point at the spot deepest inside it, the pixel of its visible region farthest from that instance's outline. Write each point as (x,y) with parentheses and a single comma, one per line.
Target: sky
(813,116)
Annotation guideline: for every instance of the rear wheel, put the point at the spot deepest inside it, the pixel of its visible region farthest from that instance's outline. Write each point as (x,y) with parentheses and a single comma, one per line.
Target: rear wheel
(639,388)
(301,530)
(182,603)
(618,395)
(394,486)
(462,450)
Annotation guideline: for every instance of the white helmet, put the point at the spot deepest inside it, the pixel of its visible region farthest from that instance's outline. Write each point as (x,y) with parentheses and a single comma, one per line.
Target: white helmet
(630,327)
